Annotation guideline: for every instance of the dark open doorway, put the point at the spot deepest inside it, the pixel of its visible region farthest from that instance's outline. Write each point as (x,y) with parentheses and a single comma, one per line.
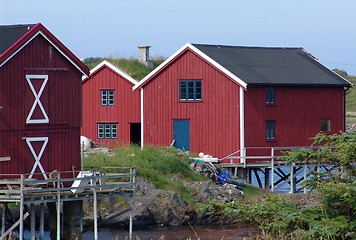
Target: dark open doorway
(135,133)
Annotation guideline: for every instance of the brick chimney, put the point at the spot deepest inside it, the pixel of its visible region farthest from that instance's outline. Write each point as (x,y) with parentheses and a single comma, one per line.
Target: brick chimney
(144,56)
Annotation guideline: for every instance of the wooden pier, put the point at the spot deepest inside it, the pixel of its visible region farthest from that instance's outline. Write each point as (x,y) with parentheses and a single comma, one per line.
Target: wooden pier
(275,172)
(63,192)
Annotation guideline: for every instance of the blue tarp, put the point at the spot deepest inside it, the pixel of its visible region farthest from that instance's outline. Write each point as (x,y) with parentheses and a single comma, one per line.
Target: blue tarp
(222,176)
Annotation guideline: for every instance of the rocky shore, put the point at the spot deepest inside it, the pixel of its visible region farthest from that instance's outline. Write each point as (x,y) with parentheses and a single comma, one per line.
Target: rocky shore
(156,207)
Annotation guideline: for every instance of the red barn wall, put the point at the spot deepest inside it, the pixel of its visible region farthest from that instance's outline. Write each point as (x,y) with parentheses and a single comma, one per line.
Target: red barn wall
(214,121)
(126,107)
(297,112)
(62,102)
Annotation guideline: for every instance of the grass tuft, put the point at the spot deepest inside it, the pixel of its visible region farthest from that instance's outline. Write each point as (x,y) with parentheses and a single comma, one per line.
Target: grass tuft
(166,167)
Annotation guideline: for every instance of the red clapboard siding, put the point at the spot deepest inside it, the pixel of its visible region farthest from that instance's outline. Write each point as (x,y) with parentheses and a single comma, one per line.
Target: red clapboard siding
(214,122)
(61,100)
(297,112)
(126,107)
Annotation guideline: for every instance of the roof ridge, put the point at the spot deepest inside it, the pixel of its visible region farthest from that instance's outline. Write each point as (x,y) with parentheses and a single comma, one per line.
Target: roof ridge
(17,25)
(247,47)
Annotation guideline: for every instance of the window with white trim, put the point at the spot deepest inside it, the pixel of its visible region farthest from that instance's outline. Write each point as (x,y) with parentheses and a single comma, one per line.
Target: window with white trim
(107,130)
(107,97)
(190,90)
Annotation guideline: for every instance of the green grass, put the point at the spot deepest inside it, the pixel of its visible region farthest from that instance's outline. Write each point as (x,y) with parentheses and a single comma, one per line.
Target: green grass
(351,93)
(351,98)
(132,66)
(165,167)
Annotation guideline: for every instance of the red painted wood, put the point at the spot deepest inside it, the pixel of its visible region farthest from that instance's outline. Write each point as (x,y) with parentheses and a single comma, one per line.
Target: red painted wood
(214,121)
(61,100)
(126,107)
(297,112)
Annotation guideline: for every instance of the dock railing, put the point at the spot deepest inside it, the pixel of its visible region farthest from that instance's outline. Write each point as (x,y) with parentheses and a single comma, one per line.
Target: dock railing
(269,159)
(91,184)
(14,187)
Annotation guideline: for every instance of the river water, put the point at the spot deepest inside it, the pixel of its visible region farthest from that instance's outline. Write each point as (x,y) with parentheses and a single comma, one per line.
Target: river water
(171,232)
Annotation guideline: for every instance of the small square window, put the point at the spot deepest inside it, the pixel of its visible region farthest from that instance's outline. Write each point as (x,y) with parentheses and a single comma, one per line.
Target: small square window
(107,130)
(190,90)
(325,125)
(270,130)
(270,95)
(107,97)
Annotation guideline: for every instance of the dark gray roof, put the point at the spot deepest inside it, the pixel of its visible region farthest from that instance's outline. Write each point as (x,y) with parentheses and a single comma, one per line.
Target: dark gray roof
(273,66)
(9,34)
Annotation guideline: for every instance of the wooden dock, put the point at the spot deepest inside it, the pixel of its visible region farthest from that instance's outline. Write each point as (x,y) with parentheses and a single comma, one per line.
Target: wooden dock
(61,192)
(274,171)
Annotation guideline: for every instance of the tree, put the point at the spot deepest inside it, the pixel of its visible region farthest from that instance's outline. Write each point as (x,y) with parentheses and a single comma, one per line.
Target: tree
(338,188)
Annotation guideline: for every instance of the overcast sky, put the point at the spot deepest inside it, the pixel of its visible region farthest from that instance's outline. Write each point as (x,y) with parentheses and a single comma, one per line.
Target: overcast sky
(325,28)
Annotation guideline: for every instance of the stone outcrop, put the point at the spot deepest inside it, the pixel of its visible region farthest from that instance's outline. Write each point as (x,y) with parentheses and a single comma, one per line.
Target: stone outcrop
(154,207)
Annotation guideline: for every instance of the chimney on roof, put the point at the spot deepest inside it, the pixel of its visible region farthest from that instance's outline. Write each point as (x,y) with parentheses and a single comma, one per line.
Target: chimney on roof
(144,56)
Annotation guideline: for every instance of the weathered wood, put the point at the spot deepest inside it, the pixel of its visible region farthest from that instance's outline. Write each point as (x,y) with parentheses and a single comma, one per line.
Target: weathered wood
(72,218)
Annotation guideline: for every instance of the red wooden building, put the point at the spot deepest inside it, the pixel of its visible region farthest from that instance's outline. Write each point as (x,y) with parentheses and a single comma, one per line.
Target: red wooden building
(40,102)
(111,110)
(220,99)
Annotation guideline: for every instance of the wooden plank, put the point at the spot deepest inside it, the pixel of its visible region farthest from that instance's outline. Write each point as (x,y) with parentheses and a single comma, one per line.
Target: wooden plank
(5,159)
(13,226)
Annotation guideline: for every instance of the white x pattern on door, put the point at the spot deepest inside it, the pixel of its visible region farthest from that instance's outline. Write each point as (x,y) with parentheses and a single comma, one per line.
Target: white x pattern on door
(37,101)
(38,156)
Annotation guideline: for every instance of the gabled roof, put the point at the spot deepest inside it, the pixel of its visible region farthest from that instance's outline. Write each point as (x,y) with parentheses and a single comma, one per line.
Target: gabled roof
(15,37)
(264,66)
(186,47)
(113,68)
(273,66)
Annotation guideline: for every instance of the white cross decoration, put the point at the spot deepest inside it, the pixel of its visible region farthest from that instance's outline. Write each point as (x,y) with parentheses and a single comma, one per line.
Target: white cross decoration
(37,163)
(37,101)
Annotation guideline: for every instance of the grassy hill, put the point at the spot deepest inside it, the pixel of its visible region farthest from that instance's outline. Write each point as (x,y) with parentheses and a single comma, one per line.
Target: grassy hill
(350,96)
(131,66)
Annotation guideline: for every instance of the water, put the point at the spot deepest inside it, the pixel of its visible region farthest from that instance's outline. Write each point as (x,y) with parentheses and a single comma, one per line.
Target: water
(177,232)
(284,187)
(171,232)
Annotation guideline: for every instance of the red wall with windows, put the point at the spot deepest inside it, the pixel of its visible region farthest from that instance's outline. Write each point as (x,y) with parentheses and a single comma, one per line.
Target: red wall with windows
(126,107)
(297,113)
(214,121)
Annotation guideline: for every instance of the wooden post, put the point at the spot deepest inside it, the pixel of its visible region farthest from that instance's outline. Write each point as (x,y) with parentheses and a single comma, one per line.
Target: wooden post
(33,221)
(58,210)
(3,219)
(72,219)
(21,207)
(272,169)
(42,222)
(52,213)
(305,175)
(267,178)
(133,181)
(95,210)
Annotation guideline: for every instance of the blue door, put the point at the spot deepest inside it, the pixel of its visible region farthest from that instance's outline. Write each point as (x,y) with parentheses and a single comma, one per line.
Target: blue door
(181,134)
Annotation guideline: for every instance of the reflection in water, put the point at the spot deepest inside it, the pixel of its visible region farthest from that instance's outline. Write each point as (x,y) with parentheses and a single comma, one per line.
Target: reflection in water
(176,232)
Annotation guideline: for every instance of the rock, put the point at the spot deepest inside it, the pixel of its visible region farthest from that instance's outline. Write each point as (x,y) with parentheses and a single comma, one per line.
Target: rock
(159,207)
(351,127)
